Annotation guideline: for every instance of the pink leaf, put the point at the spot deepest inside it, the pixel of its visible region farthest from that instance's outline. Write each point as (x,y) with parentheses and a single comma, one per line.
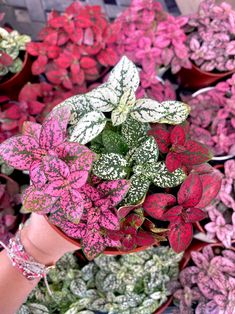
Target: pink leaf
(114,191)
(17,151)
(32,129)
(37,174)
(190,191)
(173,161)
(37,201)
(72,204)
(155,205)
(78,179)
(180,236)
(109,220)
(54,168)
(177,136)
(55,188)
(54,128)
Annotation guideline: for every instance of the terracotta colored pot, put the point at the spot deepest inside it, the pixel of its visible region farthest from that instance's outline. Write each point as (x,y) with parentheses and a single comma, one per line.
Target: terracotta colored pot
(108,251)
(196,78)
(12,87)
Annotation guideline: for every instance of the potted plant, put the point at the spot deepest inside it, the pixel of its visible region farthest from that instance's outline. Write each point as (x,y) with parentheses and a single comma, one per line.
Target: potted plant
(210,39)
(14,62)
(92,183)
(74,47)
(206,284)
(133,283)
(212,118)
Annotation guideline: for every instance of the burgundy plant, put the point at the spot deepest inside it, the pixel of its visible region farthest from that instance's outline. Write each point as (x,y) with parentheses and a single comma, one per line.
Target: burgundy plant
(74,47)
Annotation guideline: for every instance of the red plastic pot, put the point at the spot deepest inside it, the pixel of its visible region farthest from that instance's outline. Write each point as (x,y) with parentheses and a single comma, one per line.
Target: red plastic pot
(12,87)
(195,78)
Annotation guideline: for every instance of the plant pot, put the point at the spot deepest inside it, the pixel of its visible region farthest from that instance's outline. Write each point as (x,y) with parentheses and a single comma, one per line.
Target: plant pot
(108,251)
(196,78)
(12,86)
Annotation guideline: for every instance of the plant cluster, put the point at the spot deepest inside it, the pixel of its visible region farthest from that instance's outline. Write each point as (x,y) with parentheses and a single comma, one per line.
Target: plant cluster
(11,44)
(90,192)
(209,285)
(212,117)
(74,47)
(222,211)
(135,283)
(210,36)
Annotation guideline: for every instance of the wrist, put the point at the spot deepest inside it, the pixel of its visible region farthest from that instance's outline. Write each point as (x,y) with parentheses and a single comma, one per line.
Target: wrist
(42,242)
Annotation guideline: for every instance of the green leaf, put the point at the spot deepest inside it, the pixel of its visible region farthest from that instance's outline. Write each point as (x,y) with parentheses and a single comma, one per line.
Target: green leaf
(114,142)
(124,76)
(138,189)
(176,112)
(16,66)
(165,179)
(88,127)
(148,110)
(103,98)
(148,152)
(110,167)
(134,132)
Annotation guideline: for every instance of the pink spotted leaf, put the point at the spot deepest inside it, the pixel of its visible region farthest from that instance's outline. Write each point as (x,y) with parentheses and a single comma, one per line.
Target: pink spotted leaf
(114,191)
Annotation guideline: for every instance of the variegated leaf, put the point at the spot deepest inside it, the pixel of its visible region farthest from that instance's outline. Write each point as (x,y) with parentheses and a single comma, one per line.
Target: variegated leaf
(119,115)
(176,112)
(138,189)
(134,132)
(148,110)
(110,167)
(103,98)
(124,76)
(88,127)
(32,129)
(165,179)
(79,105)
(114,143)
(147,153)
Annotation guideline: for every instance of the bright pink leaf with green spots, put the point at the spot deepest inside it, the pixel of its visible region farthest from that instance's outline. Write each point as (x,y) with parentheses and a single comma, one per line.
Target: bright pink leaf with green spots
(109,220)
(18,151)
(180,236)
(155,205)
(77,179)
(114,191)
(72,204)
(54,168)
(37,201)
(190,191)
(54,128)
(32,129)
(37,174)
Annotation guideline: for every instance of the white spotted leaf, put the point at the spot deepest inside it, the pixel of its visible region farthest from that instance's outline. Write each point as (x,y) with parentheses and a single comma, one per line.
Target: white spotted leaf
(176,112)
(110,167)
(148,110)
(88,127)
(165,179)
(134,132)
(148,152)
(138,189)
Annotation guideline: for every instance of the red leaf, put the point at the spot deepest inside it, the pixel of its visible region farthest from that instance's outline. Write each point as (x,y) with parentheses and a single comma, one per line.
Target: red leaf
(87,63)
(195,153)
(63,61)
(178,135)
(56,76)
(180,236)
(52,51)
(35,107)
(5,59)
(77,36)
(88,38)
(39,65)
(194,214)
(33,48)
(155,205)
(107,57)
(173,161)
(161,135)
(190,191)
(145,238)
(133,220)
(173,214)
(125,210)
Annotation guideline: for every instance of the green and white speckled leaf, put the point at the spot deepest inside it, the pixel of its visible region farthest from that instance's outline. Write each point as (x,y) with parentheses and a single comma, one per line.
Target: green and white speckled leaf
(88,127)
(124,76)
(148,152)
(103,98)
(165,179)
(148,110)
(138,189)
(119,115)
(134,132)
(110,167)
(114,143)
(79,105)
(176,112)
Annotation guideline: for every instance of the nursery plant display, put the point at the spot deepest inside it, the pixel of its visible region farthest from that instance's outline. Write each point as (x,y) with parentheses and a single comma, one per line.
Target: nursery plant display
(134,283)
(87,190)
(74,47)
(11,44)
(207,286)
(212,117)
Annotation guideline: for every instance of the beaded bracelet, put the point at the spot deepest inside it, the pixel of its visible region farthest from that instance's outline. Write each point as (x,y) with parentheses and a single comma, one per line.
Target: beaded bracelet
(25,263)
